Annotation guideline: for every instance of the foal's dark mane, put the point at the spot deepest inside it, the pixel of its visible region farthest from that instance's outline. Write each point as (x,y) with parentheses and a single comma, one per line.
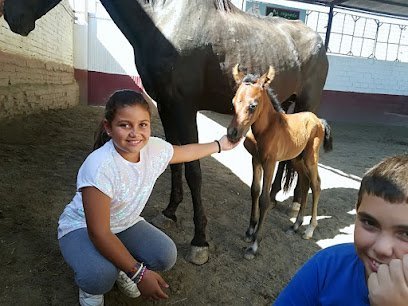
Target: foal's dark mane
(252,78)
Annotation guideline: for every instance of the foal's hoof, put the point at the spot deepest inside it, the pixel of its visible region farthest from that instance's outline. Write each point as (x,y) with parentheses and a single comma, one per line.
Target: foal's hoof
(248,238)
(198,255)
(249,253)
(162,222)
(308,233)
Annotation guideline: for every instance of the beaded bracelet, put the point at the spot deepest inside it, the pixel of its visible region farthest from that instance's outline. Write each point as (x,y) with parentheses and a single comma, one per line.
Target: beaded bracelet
(135,270)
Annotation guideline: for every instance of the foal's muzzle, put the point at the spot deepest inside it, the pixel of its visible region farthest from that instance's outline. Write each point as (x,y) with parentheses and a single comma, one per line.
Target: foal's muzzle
(232,134)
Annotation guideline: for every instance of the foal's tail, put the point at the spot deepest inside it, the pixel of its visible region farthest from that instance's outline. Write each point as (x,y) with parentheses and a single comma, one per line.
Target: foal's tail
(328,139)
(289,172)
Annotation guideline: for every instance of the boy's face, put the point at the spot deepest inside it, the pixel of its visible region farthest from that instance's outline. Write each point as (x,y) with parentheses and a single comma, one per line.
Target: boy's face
(381,232)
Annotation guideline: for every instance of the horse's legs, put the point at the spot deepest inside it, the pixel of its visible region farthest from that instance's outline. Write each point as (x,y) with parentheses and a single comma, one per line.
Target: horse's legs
(277,183)
(199,252)
(176,195)
(264,205)
(180,127)
(255,192)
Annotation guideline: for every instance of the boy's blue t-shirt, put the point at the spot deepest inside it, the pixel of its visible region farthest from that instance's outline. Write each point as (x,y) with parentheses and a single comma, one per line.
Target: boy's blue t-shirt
(334,276)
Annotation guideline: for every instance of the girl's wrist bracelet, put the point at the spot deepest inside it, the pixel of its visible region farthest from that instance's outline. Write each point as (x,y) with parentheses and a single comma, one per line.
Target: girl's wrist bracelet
(219,146)
(136,271)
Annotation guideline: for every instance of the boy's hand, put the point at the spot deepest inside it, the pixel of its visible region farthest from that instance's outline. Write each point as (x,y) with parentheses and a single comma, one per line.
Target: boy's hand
(389,286)
(151,286)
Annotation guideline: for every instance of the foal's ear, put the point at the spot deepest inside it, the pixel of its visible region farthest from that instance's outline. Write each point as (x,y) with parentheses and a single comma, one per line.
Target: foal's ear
(237,74)
(267,78)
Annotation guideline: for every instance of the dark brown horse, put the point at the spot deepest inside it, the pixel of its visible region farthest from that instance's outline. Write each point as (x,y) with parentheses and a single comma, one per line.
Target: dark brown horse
(184,52)
(278,137)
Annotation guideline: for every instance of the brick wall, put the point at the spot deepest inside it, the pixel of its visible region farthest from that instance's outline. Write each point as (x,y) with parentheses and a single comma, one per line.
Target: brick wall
(36,72)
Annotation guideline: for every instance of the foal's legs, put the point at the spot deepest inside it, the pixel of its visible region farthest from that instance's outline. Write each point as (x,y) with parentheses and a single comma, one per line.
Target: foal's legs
(255,192)
(315,186)
(264,205)
(311,162)
(303,184)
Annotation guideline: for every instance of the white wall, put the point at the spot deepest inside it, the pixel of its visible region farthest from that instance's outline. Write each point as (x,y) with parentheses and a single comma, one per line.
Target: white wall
(354,74)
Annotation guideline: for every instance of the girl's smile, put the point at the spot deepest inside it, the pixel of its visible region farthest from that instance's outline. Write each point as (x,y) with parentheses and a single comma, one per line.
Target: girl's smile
(130,131)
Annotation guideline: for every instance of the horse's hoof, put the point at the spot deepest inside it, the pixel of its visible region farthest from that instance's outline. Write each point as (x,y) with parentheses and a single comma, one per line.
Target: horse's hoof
(198,255)
(162,222)
(249,254)
(290,231)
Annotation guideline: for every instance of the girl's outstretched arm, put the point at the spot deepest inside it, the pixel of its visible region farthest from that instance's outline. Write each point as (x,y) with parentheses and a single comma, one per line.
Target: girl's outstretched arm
(194,151)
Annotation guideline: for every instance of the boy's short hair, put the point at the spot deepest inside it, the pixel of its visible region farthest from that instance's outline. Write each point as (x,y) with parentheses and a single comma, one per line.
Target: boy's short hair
(388,180)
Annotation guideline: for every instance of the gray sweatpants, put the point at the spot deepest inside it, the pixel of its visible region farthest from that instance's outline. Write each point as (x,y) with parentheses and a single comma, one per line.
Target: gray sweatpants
(95,274)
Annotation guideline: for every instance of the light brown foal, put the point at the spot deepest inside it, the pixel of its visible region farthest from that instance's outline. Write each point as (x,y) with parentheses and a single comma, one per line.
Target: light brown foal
(276,136)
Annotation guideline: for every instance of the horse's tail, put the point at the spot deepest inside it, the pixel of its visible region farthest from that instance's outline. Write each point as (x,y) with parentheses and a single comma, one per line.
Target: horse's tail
(289,172)
(328,139)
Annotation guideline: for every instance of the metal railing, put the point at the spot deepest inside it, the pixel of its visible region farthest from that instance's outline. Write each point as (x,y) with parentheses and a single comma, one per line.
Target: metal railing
(368,37)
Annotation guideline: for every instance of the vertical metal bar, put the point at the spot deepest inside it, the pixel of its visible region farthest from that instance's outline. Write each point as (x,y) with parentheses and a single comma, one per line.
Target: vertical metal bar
(329,26)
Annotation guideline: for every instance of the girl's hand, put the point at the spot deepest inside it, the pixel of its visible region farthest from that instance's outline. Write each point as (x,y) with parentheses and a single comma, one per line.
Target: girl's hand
(226,144)
(389,286)
(151,285)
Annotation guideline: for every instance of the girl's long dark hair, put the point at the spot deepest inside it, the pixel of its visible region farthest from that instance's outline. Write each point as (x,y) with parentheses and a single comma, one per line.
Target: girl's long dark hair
(118,99)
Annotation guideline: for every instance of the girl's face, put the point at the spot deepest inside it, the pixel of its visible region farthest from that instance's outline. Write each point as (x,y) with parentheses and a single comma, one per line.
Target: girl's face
(130,131)
(381,232)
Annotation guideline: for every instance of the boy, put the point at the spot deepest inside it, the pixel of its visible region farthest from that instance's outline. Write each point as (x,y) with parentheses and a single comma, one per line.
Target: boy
(373,270)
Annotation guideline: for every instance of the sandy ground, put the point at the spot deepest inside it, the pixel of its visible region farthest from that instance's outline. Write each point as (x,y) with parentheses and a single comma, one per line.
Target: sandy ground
(39,159)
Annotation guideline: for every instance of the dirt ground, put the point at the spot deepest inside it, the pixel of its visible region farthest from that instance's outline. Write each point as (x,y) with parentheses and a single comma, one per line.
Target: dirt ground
(39,159)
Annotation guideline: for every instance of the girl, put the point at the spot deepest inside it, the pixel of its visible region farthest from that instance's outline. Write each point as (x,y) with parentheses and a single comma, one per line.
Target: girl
(101,234)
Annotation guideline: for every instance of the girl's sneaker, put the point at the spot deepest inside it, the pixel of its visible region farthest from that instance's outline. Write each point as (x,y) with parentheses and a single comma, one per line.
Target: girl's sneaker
(86,299)
(127,286)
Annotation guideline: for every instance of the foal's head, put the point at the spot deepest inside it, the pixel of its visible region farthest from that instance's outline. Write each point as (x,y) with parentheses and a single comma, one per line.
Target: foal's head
(248,101)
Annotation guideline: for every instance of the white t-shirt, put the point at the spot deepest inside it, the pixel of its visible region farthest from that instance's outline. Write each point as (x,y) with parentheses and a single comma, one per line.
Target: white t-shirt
(128,184)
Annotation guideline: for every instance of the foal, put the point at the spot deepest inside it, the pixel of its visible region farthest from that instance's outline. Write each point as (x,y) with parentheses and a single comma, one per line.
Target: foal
(276,136)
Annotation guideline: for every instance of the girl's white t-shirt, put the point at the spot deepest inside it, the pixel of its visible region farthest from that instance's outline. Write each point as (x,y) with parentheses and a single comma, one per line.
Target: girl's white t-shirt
(128,184)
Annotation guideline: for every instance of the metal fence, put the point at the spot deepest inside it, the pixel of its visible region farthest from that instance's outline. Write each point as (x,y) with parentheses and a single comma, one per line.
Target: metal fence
(360,36)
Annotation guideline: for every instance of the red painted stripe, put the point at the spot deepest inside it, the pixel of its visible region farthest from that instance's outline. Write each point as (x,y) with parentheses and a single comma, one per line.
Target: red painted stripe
(335,106)
(102,85)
